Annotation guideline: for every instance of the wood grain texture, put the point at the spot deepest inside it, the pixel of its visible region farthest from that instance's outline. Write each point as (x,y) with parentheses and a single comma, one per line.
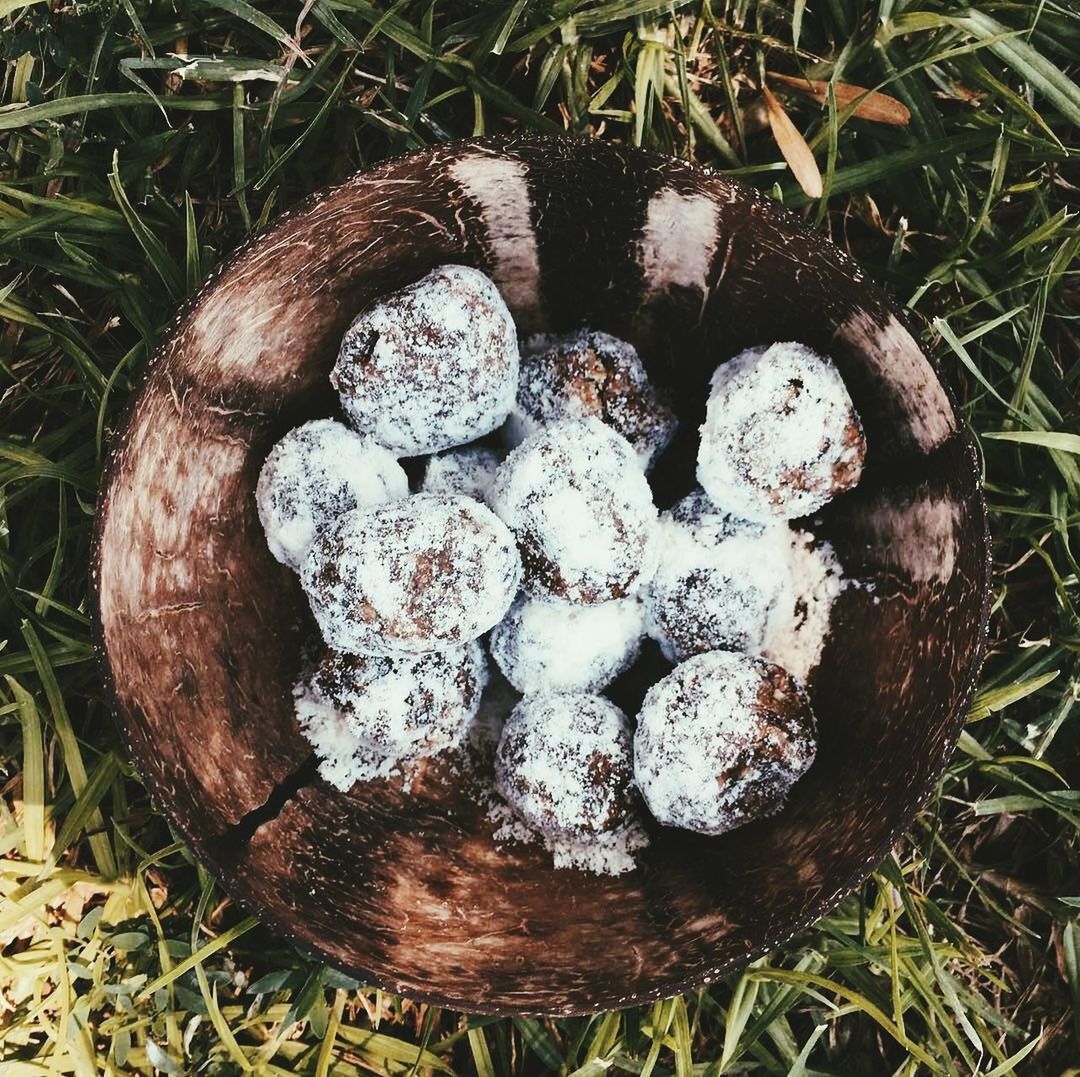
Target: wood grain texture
(198,628)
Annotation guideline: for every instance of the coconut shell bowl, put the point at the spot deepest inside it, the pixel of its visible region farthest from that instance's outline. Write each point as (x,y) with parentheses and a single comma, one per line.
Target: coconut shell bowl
(197,624)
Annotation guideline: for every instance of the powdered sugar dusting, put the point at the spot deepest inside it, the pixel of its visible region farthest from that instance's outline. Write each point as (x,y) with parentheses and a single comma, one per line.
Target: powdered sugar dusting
(366,716)
(584,374)
(314,474)
(563,763)
(420,574)
(432,366)
(781,437)
(575,496)
(403,587)
(720,741)
(609,853)
(728,584)
(716,583)
(605,854)
(800,620)
(547,645)
(469,470)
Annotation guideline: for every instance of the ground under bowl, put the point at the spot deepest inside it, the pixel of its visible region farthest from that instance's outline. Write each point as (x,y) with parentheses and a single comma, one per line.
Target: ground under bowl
(197,623)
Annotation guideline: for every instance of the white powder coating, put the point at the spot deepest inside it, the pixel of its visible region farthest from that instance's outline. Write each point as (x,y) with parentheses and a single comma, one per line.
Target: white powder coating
(728,584)
(420,574)
(547,645)
(432,366)
(564,765)
(365,715)
(602,854)
(717,580)
(610,853)
(578,502)
(591,374)
(469,470)
(781,437)
(314,474)
(800,620)
(720,741)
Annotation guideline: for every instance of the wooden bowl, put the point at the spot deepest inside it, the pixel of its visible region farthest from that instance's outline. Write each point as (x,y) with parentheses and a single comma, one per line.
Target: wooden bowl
(197,624)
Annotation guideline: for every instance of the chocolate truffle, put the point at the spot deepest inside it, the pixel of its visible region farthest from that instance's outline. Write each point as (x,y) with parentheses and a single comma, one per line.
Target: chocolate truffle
(781,437)
(314,474)
(432,366)
(591,374)
(720,741)
(564,765)
(420,574)
(546,645)
(366,714)
(717,581)
(578,502)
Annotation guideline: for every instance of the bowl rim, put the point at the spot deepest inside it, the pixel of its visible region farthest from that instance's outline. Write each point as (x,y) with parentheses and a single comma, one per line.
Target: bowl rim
(605,999)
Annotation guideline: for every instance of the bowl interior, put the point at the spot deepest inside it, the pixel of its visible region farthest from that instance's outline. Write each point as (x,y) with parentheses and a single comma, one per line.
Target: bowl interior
(198,625)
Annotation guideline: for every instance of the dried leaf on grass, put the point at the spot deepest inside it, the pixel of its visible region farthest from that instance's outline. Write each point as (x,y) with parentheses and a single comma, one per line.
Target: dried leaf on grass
(871,104)
(793,146)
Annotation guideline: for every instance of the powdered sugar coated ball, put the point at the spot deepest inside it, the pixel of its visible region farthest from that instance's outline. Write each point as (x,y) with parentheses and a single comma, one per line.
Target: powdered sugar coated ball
(576,498)
(546,645)
(432,366)
(717,580)
(564,765)
(469,470)
(591,374)
(314,474)
(364,714)
(720,741)
(781,436)
(419,574)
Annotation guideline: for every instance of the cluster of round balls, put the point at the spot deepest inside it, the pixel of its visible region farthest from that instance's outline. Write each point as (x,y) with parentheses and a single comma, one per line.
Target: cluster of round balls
(533,519)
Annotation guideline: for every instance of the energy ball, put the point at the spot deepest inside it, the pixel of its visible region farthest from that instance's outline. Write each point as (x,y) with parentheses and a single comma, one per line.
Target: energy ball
(576,498)
(469,470)
(717,581)
(364,714)
(432,366)
(314,474)
(781,437)
(564,765)
(420,574)
(591,374)
(720,741)
(546,645)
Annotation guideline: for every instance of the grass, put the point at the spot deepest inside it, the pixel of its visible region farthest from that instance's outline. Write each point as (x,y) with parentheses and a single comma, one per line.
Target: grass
(140,142)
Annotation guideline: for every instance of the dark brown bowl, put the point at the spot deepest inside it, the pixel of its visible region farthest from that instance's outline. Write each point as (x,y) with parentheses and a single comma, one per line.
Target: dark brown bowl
(197,623)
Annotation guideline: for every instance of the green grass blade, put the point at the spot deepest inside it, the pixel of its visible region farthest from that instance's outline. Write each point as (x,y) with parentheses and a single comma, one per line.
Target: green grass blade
(212,947)
(63,107)
(85,812)
(1048,439)
(33,773)
(159,259)
(1026,61)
